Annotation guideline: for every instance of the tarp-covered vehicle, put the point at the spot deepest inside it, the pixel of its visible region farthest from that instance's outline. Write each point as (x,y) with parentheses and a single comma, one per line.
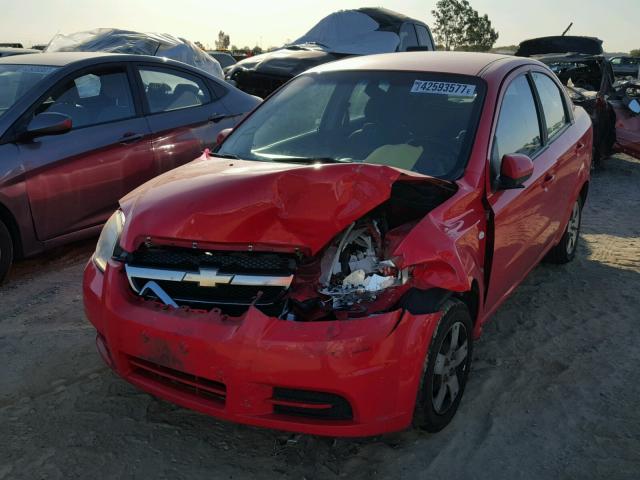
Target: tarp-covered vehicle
(580,65)
(111,40)
(345,33)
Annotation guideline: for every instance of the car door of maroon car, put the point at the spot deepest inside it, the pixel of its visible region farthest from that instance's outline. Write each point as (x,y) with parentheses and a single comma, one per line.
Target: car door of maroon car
(184,113)
(76,179)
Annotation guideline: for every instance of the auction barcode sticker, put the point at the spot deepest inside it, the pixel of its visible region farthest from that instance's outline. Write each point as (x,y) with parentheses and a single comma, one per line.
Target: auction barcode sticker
(443,88)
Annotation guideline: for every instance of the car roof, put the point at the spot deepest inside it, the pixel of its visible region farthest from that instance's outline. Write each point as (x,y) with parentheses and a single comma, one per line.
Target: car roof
(57,59)
(463,63)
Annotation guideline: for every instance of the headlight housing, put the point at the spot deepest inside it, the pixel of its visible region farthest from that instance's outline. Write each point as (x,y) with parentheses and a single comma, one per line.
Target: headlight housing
(108,241)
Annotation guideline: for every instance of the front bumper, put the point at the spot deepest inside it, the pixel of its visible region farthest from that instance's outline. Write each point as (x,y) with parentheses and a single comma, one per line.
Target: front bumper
(231,367)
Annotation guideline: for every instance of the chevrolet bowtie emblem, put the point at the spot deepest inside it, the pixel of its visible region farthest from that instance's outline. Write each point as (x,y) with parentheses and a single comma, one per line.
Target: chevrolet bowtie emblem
(208,277)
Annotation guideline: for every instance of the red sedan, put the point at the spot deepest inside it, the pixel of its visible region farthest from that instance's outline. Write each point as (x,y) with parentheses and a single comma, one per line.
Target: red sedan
(328,268)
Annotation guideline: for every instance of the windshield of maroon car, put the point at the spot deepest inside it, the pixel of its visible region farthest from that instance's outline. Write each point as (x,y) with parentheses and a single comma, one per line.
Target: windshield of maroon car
(423,122)
(16,80)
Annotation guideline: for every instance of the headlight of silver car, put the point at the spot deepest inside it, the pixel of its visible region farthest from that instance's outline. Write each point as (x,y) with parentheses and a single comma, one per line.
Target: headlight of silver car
(108,240)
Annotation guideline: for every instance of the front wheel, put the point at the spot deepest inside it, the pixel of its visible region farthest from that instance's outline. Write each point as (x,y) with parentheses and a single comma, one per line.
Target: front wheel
(6,251)
(446,370)
(565,251)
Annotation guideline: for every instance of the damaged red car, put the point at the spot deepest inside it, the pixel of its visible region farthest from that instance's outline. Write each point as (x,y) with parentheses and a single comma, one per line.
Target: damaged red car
(328,268)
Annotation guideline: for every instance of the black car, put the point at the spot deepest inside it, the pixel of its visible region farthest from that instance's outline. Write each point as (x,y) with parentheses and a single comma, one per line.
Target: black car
(345,33)
(581,66)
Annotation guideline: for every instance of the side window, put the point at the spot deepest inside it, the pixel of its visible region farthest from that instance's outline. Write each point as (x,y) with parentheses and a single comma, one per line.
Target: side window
(92,99)
(616,61)
(170,90)
(518,130)
(423,36)
(552,103)
(407,37)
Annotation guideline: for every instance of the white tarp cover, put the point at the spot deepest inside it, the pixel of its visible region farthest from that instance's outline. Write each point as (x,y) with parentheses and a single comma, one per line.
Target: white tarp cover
(350,32)
(111,40)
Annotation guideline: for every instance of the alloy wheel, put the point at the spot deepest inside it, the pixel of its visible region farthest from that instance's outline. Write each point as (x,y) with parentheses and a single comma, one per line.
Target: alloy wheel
(449,368)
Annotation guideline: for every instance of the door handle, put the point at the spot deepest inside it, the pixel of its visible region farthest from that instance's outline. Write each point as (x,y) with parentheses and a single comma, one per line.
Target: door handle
(217,117)
(549,178)
(579,146)
(131,138)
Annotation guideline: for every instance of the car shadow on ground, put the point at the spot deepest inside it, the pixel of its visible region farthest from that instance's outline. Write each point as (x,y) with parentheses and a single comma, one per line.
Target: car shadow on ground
(27,269)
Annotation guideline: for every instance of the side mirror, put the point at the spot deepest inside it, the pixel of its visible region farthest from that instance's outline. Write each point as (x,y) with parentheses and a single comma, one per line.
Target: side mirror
(515,169)
(48,124)
(223,135)
(634,106)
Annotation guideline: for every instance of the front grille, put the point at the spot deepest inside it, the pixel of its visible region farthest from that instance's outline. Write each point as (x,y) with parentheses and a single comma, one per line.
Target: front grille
(182,382)
(310,404)
(192,259)
(232,298)
(258,83)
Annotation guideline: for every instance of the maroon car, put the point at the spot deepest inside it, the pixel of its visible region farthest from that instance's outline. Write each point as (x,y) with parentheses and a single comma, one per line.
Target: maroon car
(80,130)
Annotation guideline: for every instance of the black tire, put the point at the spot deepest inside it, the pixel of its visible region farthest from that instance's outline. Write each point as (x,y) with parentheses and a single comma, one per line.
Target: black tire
(565,251)
(435,387)
(6,251)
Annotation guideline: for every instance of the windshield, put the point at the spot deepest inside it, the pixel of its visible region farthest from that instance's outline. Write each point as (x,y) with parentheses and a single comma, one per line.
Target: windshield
(16,80)
(423,122)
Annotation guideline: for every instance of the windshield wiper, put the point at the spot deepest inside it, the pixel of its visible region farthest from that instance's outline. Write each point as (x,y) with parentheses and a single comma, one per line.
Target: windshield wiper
(226,155)
(309,160)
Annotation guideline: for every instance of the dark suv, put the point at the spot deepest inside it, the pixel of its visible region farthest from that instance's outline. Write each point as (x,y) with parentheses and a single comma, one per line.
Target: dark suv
(345,33)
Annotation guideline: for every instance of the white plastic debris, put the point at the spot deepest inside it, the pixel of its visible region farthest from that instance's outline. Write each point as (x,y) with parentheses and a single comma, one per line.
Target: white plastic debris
(375,283)
(354,279)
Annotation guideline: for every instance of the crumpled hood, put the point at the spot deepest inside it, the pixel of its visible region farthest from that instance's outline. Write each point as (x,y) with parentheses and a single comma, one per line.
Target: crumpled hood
(284,62)
(265,205)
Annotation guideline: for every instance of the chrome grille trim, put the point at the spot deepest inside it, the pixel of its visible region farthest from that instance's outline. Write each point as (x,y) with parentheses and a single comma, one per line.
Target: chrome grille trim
(205,277)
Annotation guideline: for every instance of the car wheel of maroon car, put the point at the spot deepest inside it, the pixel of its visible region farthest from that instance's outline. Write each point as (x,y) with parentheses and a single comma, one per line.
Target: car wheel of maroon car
(565,251)
(6,251)
(447,368)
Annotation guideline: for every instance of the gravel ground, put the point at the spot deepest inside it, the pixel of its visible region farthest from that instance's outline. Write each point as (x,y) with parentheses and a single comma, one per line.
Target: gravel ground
(554,390)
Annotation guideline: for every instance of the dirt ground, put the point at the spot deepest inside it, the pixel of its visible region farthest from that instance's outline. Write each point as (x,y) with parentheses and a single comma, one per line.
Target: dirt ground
(554,390)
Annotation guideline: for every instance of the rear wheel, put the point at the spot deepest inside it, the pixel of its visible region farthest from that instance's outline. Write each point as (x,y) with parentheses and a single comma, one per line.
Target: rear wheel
(6,251)
(565,251)
(446,370)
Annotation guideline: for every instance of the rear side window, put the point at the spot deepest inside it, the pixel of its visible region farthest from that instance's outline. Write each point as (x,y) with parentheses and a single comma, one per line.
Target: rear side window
(92,99)
(408,37)
(423,36)
(552,104)
(168,90)
(518,130)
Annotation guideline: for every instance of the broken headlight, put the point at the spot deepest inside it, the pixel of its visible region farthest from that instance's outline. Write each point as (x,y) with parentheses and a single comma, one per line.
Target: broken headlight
(354,269)
(108,240)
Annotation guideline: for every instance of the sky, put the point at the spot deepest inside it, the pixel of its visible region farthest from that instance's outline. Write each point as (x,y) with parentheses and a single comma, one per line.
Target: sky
(273,23)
